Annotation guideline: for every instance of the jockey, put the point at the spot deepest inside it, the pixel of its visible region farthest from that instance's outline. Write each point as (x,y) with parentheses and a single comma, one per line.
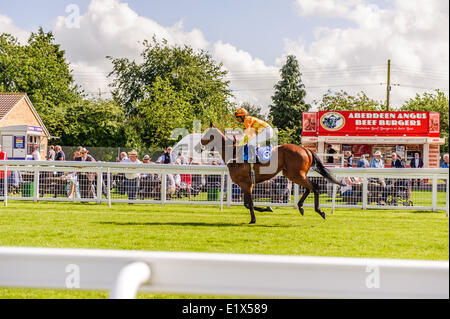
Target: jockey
(256,132)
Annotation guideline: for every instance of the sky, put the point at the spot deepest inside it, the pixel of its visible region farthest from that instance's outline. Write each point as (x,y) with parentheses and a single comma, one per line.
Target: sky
(340,44)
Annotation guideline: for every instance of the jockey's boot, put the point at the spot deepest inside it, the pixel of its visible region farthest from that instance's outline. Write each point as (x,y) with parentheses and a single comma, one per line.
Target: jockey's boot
(251,154)
(252,174)
(252,161)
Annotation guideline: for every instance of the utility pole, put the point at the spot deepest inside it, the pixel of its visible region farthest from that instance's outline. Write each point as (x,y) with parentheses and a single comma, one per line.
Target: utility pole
(388,87)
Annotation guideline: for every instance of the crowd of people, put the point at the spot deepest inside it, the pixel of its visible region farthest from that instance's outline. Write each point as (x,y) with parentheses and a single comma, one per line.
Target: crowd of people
(83,184)
(133,184)
(379,189)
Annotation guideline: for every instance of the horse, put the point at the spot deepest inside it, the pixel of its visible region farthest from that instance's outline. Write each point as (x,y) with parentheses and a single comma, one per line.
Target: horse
(294,161)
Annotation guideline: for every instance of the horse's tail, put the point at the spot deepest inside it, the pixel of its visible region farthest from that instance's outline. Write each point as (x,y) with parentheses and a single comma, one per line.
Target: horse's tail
(322,170)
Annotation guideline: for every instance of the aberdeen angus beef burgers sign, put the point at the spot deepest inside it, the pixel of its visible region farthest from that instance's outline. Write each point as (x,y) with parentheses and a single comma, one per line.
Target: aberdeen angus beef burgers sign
(378,123)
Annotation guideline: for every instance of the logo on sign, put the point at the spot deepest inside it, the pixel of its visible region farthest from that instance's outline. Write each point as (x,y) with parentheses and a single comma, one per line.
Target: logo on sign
(332,121)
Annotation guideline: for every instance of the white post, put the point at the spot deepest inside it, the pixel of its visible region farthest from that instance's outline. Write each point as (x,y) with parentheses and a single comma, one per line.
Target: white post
(222,187)
(447,194)
(333,200)
(163,188)
(365,192)
(434,193)
(36,184)
(296,194)
(130,278)
(109,187)
(229,190)
(5,185)
(426,155)
(99,185)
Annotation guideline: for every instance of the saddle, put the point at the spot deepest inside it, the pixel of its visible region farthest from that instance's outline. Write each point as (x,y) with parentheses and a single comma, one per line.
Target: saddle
(263,154)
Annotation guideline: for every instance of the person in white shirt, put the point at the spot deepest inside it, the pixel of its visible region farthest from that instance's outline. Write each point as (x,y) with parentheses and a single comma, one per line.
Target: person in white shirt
(123,156)
(36,154)
(51,153)
(132,181)
(347,192)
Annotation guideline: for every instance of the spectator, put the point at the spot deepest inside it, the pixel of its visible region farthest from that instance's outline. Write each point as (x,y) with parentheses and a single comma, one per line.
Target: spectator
(330,150)
(392,183)
(445,161)
(183,181)
(60,156)
(51,153)
(132,179)
(35,153)
(122,156)
(377,161)
(87,179)
(160,159)
(166,157)
(146,159)
(348,160)
(416,162)
(396,161)
(76,155)
(349,194)
(170,186)
(72,187)
(3,157)
(181,158)
(363,162)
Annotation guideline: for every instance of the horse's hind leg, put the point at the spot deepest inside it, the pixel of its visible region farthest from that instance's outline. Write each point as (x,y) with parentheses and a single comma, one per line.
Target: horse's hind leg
(309,187)
(317,201)
(261,209)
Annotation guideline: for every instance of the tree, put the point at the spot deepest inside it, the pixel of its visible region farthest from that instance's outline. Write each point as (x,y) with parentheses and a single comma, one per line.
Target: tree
(158,115)
(288,100)
(94,123)
(254,110)
(342,101)
(432,102)
(39,68)
(193,79)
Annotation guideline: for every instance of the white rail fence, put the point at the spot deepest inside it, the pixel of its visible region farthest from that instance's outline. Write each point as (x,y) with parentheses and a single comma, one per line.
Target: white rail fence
(125,273)
(102,182)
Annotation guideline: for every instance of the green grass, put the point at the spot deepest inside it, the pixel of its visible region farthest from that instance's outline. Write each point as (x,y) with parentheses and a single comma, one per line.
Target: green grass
(349,233)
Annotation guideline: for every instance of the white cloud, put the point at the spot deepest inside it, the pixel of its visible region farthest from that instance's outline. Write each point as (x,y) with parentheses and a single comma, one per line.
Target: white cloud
(112,28)
(250,77)
(7,26)
(412,33)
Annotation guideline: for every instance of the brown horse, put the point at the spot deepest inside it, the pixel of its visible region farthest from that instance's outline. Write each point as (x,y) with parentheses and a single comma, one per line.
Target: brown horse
(293,160)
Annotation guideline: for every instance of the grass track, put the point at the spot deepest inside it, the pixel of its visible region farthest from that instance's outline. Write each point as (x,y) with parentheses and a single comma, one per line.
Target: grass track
(349,233)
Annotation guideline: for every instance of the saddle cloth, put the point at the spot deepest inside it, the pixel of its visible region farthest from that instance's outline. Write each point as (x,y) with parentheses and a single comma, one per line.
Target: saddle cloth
(263,154)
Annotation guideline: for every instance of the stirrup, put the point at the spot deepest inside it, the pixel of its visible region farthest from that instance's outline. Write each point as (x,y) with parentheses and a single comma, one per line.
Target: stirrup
(252,174)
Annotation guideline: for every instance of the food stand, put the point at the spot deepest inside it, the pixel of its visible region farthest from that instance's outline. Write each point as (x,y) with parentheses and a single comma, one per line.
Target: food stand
(18,140)
(365,132)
